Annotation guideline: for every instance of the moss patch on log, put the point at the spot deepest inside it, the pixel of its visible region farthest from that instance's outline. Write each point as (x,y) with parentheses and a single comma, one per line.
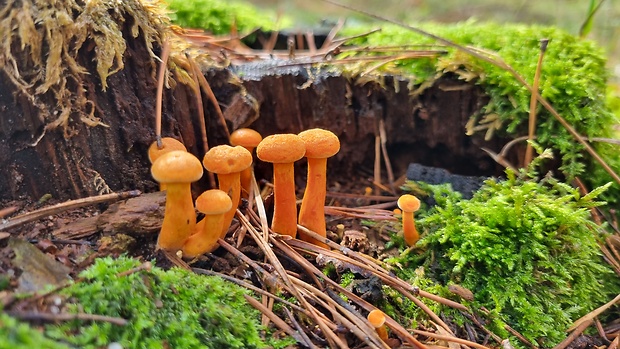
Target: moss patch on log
(43,41)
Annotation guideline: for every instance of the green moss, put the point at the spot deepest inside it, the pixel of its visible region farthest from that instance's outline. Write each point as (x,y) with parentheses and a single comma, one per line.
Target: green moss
(219,17)
(573,80)
(527,249)
(176,309)
(18,335)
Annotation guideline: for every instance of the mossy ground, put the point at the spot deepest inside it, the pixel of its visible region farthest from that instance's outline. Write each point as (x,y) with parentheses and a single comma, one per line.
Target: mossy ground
(164,309)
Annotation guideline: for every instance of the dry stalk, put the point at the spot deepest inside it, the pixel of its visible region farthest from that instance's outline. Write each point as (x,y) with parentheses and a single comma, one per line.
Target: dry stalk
(529,150)
(450,339)
(333,340)
(65,206)
(281,324)
(204,84)
(201,112)
(576,332)
(161,75)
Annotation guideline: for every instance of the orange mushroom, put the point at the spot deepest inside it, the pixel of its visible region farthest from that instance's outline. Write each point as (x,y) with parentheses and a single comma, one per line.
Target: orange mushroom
(228,162)
(177,169)
(249,139)
(168,144)
(283,150)
(214,204)
(409,204)
(320,145)
(377,319)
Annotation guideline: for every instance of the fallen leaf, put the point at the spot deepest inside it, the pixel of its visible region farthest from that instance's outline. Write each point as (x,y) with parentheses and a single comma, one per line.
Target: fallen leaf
(38,269)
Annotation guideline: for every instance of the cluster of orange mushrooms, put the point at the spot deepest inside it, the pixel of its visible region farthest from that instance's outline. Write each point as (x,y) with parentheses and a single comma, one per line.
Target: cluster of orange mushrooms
(175,169)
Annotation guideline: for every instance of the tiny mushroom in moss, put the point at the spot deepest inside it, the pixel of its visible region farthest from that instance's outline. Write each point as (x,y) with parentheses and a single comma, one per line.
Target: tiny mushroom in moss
(409,204)
(377,319)
(228,162)
(168,144)
(177,169)
(320,145)
(214,204)
(283,150)
(249,139)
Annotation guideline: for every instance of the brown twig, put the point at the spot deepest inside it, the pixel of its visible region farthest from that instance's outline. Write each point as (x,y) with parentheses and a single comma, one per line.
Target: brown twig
(38,316)
(529,150)
(576,332)
(161,75)
(216,105)
(281,324)
(450,339)
(65,206)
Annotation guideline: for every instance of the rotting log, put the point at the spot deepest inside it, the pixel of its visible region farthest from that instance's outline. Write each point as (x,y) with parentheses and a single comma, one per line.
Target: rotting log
(36,160)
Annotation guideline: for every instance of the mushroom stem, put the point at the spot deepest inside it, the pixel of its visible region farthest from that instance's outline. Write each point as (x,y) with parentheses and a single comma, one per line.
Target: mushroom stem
(377,319)
(229,183)
(204,240)
(179,219)
(409,230)
(312,211)
(285,206)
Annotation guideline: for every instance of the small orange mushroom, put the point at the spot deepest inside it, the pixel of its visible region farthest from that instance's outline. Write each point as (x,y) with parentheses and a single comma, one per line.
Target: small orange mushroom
(228,162)
(320,145)
(409,204)
(283,150)
(168,144)
(214,204)
(177,169)
(377,319)
(249,139)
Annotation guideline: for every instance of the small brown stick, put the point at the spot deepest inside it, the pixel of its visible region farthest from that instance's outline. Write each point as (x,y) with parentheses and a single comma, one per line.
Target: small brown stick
(576,332)
(300,330)
(529,151)
(161,75)
(8,211)
(281,324)
(65,206)
(600,329)
(144,266)
(37,316)
(396,328)
(450,339)
(201,112)
(332,34)
(360,329)
(380,198)
(333,340)
(386,157)
(377,168)
(614,343)
(594,313)
(269,279)
(251,287)
(209,92)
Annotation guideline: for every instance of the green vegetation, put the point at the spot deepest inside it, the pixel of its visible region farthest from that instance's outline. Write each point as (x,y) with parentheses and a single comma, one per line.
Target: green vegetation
(18,335)
(526,248)
(573,81)
(219,17)
(174,309)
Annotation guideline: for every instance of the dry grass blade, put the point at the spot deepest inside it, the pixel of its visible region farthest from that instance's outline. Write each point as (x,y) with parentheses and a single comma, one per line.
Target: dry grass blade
(161,76)
(281,324)
(576,332)
(204,84)
(450,339)
(594,313)
(529,150)
(65,206)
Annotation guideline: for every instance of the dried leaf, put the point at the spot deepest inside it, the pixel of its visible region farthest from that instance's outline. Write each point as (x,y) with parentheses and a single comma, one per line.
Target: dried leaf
(38,269)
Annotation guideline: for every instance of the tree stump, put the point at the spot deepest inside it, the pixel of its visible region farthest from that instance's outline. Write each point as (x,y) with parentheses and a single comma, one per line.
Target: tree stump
(77,160)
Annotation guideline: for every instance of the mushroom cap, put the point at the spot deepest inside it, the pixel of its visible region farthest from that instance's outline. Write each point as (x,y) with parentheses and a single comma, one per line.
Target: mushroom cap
(224,159)
(281,148)
(177,166)
(320,143)
(168,144)
(376,318)
(245,137)
(408,203)
(213,201)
